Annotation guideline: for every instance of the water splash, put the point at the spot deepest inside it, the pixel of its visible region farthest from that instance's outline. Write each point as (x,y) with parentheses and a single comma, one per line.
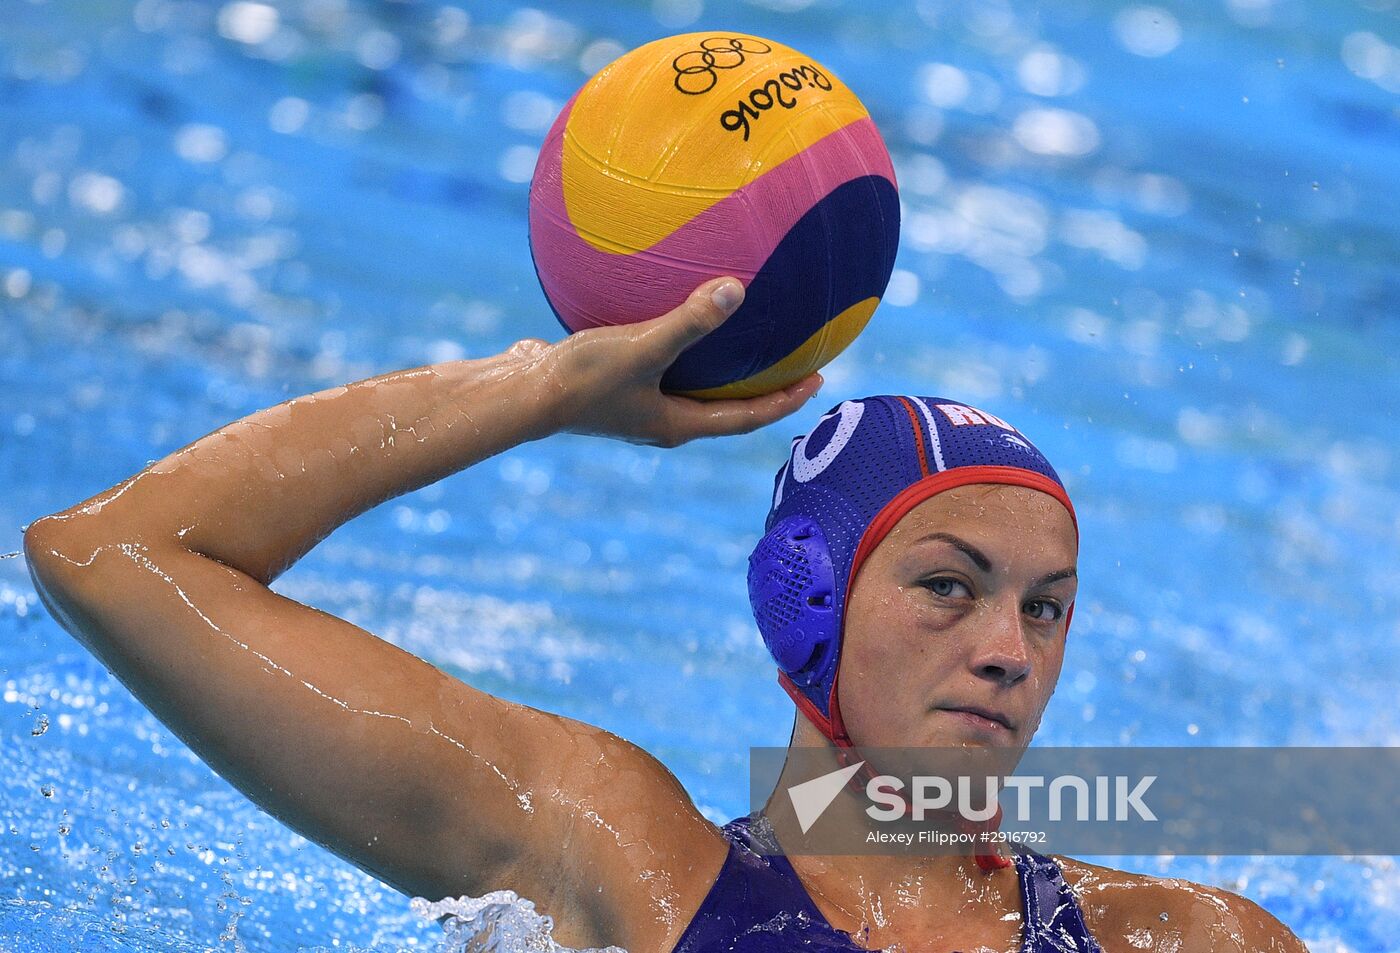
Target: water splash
(499,922)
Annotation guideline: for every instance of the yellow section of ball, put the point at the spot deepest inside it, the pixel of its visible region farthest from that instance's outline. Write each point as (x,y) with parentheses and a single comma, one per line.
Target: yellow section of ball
(669,129)
(817,351)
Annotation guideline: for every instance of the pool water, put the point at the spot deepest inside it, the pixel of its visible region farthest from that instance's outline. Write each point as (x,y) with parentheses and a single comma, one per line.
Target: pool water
(1162,241)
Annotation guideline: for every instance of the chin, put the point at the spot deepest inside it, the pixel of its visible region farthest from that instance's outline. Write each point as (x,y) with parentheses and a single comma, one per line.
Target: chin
(955,737)
(979,741)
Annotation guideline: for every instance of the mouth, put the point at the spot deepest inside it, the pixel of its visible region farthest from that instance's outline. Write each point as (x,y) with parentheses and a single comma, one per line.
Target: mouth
(980,717)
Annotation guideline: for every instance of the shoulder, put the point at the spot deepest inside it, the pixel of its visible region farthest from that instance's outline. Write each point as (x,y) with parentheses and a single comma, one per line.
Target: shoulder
(1136,912)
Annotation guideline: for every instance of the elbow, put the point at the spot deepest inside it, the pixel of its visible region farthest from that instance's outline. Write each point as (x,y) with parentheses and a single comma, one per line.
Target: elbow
(42,549)
(63,553)
(43,557)
(45,553)
(61,557)
(81,565)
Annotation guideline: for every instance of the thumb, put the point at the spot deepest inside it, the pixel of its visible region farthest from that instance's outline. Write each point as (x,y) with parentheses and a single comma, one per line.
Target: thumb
(706,309)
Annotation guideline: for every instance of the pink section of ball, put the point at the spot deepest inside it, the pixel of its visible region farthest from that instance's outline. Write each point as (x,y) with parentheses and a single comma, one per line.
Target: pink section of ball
(589,288)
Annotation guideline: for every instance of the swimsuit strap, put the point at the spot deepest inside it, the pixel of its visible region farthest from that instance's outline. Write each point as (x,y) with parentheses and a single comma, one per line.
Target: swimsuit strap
(758,904)
(1053,922)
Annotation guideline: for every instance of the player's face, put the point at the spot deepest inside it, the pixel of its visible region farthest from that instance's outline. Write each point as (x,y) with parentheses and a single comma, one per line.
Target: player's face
(955,626)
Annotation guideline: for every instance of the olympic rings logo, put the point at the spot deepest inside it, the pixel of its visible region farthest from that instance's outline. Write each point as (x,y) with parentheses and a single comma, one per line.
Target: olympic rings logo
(696,70)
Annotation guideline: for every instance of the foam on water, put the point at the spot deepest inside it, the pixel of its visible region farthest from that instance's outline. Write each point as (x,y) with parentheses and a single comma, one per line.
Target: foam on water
(499,922)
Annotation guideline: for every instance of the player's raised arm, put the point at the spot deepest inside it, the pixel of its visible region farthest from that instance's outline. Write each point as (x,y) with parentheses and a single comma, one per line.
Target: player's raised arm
(432,786)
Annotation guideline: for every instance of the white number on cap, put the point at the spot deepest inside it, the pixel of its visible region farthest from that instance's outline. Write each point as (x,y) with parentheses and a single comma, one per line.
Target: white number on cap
(804,468)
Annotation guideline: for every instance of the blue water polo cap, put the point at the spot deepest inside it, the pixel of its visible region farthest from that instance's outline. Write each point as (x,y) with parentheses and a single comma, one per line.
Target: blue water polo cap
(845,485)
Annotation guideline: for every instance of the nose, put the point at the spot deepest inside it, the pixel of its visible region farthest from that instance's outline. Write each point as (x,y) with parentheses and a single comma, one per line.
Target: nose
(1001,654)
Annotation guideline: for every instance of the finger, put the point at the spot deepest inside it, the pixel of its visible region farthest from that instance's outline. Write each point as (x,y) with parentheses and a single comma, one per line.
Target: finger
(706,309)
(717,418)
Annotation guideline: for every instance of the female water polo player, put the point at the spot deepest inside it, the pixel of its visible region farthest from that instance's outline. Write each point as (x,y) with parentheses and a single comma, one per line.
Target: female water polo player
(957,539)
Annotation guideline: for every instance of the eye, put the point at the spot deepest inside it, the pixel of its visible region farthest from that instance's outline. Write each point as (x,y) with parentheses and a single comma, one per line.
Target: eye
(946,587)
(1044,610)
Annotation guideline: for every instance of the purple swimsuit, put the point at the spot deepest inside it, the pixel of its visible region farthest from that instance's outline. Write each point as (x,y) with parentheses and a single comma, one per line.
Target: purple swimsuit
(758,905)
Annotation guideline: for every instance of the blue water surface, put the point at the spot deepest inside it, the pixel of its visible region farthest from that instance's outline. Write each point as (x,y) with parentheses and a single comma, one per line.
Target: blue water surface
(1163,240)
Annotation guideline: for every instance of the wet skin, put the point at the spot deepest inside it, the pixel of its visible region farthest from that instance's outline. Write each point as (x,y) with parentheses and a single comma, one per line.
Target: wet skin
(962,606)
(441,790)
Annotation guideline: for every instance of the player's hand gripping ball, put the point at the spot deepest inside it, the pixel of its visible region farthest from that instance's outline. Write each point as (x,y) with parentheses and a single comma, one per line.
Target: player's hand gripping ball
(718,154)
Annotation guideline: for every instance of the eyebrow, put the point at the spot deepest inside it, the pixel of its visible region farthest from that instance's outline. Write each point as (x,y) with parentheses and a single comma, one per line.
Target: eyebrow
(970,551)
(980,560)
(1055,576)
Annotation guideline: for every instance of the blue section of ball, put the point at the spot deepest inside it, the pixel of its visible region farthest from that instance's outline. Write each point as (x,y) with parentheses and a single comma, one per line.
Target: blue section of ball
(837,255)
